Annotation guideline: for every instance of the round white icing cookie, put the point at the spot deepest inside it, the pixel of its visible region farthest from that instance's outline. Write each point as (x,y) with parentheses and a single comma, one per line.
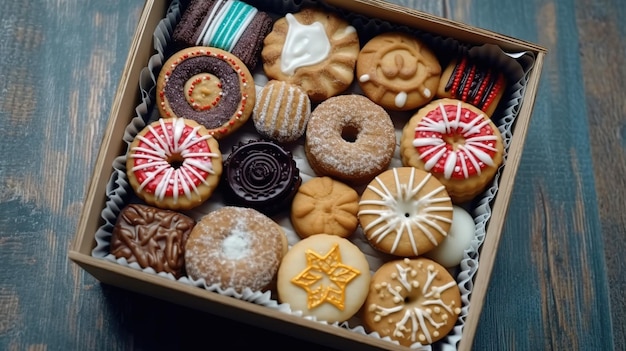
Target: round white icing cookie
(325,276)
(449,252)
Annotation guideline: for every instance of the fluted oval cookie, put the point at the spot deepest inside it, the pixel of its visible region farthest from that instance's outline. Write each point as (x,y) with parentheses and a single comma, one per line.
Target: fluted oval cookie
(313,48)
(398,71)
(281,112)
(325,205)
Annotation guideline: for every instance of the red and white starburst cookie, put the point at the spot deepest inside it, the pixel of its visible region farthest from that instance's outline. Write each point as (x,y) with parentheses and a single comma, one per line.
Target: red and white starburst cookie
(325,276)
(457,143)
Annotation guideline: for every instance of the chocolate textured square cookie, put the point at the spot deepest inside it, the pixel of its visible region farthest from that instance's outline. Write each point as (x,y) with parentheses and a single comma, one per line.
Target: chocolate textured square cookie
(152,237)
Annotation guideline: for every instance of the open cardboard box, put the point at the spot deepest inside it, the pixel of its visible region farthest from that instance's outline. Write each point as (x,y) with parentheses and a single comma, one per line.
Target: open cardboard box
(127,98)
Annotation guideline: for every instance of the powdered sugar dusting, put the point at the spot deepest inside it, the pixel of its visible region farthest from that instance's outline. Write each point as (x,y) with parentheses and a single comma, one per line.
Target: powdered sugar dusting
(329,132)
(236,247)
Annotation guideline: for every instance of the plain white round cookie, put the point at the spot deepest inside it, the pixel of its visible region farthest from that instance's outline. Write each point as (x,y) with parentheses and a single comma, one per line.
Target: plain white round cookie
(449,252)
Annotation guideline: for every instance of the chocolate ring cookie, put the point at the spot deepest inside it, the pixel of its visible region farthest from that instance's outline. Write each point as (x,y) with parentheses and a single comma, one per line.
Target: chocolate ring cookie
(208,85)
(398,71)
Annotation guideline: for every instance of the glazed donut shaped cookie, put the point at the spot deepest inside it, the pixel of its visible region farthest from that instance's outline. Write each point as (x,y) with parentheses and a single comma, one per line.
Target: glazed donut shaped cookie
(325,205)
(235,247)
(398,71)
(325,276)
(412,301)
(457,143)
(349,138)
(405,212)
(208,85)
(314,49)
(174,163)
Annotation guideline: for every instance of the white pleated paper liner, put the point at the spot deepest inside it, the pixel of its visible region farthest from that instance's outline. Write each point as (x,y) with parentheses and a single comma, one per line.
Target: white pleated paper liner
(516,66)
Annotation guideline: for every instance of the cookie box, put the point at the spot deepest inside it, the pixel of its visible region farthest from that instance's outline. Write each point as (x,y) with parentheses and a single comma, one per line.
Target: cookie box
(133,107)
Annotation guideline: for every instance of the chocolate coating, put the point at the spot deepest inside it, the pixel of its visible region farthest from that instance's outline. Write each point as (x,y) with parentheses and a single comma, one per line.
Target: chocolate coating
(261,175)
(229,101)
(152,237)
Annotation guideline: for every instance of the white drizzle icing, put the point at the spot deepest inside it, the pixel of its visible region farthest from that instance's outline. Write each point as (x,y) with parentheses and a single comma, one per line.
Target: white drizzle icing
(305,45)
(415,319)
(470,150)
(165,146)
(294,116)
(393,218)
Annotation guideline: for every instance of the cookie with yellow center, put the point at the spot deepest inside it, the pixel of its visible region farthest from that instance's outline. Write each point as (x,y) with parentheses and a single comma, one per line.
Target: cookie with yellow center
(325,276)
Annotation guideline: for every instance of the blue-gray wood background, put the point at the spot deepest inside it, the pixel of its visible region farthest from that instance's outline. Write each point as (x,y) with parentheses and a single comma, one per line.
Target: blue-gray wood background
(558,281)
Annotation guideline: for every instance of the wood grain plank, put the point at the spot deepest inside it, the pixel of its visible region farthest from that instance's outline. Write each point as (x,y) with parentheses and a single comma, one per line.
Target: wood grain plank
(553,221)
(601,29)
(59,73)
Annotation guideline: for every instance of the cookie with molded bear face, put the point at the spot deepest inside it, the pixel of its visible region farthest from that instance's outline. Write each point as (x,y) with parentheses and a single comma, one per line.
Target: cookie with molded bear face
(398,71)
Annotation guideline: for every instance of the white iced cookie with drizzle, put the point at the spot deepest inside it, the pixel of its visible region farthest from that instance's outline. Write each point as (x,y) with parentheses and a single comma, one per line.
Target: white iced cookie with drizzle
(174,164)
(314,49)
(412,301)
(457,143)
(398,71)
(405,212)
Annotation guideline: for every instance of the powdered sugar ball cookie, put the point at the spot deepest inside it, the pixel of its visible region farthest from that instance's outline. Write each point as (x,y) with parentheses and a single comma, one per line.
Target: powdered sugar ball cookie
(235,247)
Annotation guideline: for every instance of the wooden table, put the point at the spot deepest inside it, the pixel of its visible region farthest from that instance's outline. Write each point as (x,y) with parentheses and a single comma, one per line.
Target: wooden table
(558,281)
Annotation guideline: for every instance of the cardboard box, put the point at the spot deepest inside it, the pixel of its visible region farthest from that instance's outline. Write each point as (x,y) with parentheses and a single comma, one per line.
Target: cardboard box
(125,102)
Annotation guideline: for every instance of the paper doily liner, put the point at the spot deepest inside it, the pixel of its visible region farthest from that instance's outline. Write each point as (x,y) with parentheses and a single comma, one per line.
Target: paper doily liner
(516,66)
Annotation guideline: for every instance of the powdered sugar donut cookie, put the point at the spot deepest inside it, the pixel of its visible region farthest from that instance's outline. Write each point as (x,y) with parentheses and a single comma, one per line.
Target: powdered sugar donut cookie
(457,143)
(412,301)
(325,276)
(349,138)
(398,71)
(314,49)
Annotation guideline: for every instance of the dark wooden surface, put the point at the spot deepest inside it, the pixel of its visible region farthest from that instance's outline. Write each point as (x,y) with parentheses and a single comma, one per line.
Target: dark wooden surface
(558,281)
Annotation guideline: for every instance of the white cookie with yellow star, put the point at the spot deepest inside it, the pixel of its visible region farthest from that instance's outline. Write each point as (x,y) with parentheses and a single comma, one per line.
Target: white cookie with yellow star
(325,276)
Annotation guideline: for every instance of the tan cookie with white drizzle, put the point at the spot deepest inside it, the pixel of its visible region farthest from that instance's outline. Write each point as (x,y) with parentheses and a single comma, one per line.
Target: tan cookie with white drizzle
(405,212)
(412,301)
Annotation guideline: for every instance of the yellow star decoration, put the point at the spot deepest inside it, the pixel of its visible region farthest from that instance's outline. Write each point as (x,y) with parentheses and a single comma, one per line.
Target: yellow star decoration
(325,278)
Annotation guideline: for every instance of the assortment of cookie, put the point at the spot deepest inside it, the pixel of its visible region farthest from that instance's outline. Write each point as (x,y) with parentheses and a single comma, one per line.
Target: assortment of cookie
(329,98)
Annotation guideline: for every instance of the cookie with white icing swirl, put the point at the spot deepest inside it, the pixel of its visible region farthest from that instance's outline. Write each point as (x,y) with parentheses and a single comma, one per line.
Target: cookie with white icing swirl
(314,49)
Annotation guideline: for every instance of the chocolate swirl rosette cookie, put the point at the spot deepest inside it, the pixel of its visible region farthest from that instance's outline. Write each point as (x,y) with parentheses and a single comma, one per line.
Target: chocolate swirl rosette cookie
(262,175)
